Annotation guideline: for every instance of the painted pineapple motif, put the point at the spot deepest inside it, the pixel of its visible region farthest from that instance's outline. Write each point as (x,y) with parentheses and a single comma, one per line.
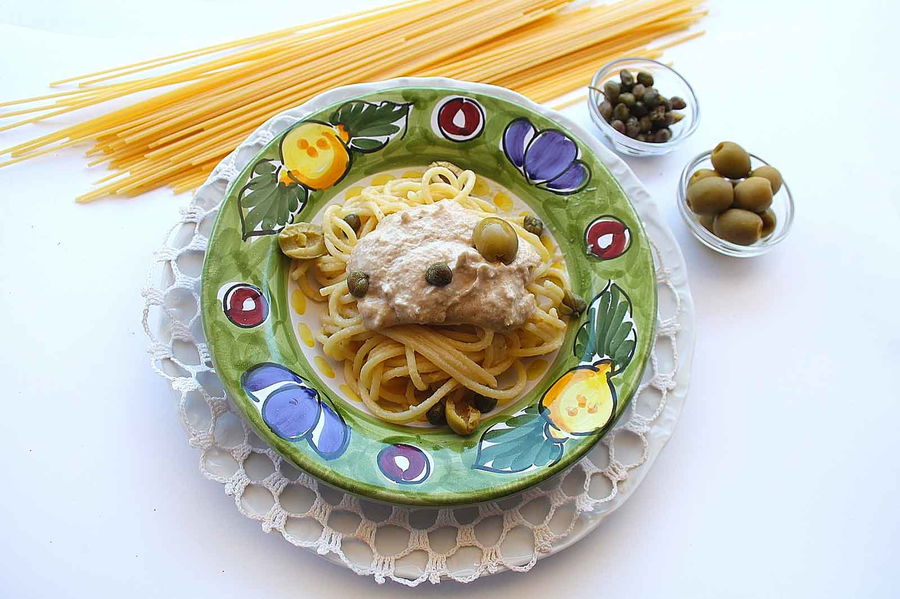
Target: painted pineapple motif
(581,402)
(314,155)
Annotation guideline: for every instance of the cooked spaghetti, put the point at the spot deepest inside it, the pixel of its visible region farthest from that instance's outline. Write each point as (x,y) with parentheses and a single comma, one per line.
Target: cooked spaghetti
(400,372)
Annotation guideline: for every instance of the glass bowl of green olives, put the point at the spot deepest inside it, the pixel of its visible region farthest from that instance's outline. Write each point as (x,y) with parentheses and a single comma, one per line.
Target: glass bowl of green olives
(642,107)
(698,206)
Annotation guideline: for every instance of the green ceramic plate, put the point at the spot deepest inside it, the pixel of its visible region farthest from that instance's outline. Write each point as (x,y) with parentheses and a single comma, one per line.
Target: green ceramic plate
(258,325)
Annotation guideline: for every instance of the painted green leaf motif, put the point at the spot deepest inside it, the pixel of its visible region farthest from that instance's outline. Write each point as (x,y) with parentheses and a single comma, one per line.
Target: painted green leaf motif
(609,330)
(517,445)
(371,125)
(265,204)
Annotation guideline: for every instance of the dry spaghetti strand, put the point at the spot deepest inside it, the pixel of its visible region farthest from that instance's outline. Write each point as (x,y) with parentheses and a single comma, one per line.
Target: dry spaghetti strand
(207,100)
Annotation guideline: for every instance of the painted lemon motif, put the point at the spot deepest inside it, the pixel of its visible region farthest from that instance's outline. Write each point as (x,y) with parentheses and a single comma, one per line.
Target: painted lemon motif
(315,155)
(582,401)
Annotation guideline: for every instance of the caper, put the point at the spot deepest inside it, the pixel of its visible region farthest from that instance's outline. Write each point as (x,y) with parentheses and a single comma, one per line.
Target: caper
(701,173)
(651,98)
(662,136)
(663,101)
(731,160)
(483,403)
(572,305)
(753,193)
(632,127)
(627,99)
(676,116)
(642,137)
(352,219)
(768,223)
(638,90)
(771,173)
(611,90)
(645,78)
(658,117)
(678,103)
(710,195)
(496,240)
(738,226)
(639,110)
(436,415)
(462,416)
(605,109)
(618,126)
(626,78)
(533,225)
(357,283)
(621,112)
(646,124)
(439,274)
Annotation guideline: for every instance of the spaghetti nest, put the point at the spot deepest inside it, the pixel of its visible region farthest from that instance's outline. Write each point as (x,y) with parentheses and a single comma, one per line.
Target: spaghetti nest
(402,371)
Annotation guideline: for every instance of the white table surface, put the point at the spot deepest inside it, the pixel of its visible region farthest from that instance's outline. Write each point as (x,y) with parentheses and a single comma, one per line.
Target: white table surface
(781,479)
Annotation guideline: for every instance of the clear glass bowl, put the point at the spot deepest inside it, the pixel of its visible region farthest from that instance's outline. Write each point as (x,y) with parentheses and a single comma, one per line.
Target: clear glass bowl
(668,82)
(782,206)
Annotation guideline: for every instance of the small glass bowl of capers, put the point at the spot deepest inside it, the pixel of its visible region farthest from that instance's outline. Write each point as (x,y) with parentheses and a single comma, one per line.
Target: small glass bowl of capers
(642,107)
(699,210)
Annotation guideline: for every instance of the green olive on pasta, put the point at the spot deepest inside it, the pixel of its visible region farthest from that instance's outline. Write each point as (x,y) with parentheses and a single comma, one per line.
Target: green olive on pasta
(496,240)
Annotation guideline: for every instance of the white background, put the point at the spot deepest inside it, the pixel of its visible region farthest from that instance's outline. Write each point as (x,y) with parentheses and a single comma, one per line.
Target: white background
(781,479)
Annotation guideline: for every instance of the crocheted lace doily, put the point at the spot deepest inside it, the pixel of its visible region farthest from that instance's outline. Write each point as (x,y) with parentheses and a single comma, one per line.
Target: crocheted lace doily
(407,545)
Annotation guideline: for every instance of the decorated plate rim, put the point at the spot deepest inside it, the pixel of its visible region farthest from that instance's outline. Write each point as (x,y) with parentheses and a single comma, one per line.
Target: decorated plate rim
(407,495)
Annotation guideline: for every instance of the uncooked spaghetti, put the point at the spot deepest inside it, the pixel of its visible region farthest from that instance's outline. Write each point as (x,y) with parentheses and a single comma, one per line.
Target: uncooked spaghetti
(543,49)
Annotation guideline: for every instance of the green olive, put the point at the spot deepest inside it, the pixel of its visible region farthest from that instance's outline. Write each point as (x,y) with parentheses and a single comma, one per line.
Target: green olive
(436,415)
(496,240)
(701,173)
(710,195)
(771,173)
(357,283)
(483,403)
(533,225)
(738,226)
(439,274)
(768,223)
(706,221)
(572,305)
(753,193)
(626,78)
(352,219)
(731,160)
(611,91)
(645,78)
(462,416)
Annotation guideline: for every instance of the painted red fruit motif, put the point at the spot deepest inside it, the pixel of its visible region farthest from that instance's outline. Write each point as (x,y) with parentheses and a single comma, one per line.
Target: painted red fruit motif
(606,238)
(460,119)
(245,305)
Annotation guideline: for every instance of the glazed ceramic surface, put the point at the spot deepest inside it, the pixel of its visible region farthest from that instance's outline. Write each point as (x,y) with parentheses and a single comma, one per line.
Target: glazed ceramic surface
(260,327)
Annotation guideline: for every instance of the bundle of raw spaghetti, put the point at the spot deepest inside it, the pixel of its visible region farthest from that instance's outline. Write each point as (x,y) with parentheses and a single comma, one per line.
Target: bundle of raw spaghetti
(541,48)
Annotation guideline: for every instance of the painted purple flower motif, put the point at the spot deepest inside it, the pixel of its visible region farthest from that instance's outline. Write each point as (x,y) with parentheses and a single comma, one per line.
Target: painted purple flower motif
(295,411)
(547,158)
